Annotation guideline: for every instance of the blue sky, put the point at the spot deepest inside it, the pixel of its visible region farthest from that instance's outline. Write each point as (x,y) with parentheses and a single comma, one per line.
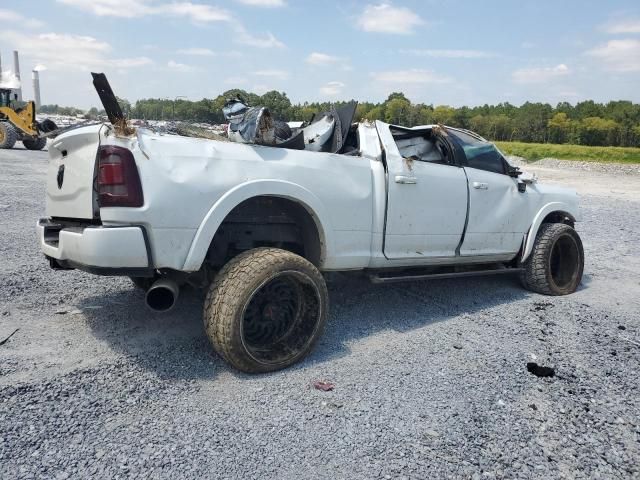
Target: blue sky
(456,52)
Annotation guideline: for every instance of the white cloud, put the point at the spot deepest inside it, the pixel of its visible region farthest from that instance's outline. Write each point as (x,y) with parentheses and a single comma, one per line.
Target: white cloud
(122,63)
(9,16)
(113,8)
(196,12)
(623,26)
(444,53)
(179,67)
(410,77)
(385,18)
(235,80)
(317,59)
(260,89)
(263,3)
(197,52)
(9,80)
(619,55)
(273,73)
(76,52)
(332,89)
(527,45)
(540,74)
(323,59)
(268,41)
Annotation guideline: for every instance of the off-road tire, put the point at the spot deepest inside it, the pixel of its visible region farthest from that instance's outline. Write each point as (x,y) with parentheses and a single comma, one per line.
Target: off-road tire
(231,298)
(556,263)
(143,283)
(8,135)
(34,144)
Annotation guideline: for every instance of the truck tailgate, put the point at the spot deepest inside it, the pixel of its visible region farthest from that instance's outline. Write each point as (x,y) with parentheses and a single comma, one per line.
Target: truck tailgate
(71,172)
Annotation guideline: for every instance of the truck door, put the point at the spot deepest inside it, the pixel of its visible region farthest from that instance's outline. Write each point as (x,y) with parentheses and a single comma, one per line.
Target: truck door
(426,194)
(498,212)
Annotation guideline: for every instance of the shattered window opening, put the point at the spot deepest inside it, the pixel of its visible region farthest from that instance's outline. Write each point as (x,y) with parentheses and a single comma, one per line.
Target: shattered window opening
(419,145)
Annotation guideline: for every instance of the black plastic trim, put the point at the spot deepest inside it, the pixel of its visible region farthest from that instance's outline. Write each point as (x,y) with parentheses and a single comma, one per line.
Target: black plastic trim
(466,219)
(434,276)
(105,271)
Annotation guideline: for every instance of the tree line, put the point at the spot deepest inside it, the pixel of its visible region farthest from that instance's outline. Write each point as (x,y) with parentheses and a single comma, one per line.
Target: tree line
(616,123)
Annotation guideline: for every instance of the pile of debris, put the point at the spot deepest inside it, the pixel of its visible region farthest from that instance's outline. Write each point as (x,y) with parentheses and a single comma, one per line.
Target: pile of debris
(326,132)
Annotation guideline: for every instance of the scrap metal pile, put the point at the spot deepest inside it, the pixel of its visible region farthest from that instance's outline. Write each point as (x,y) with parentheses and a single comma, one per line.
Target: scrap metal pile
(326,132)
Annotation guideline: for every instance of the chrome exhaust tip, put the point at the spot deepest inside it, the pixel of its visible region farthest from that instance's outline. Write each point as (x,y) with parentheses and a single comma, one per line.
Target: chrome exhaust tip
(162,295)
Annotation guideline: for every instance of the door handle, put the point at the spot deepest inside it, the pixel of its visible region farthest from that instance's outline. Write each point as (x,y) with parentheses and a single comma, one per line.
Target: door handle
(481,185)
(404,179)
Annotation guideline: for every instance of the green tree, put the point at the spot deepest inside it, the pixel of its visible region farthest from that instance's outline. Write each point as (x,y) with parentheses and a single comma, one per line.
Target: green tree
(444,114)
(376,113)
(597,131)
(278,104)
(125,106)
(421,114)
(396,95)
(397,111)
(559,128)
(92,113)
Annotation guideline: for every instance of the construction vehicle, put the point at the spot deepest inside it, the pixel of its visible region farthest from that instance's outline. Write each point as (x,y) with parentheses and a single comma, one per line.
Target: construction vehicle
(19,124)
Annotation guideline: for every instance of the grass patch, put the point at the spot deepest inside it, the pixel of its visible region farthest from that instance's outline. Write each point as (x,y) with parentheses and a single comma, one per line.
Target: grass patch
(535,151)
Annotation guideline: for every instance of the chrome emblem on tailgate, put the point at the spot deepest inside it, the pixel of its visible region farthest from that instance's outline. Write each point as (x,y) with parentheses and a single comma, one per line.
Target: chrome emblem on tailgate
(60,176)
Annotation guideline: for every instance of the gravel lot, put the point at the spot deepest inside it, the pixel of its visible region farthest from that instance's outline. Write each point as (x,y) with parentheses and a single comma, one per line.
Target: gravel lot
(430,377)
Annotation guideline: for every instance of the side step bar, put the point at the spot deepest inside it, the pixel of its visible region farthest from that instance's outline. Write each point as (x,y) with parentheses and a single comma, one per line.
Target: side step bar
(376,278)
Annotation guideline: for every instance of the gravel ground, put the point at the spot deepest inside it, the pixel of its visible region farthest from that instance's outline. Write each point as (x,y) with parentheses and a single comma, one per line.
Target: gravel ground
(583,166)
(430,377)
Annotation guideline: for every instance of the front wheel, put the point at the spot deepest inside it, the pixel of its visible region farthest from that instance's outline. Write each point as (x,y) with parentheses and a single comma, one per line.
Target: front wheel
(34,143)
(8,135)
(556,263)
(265,310)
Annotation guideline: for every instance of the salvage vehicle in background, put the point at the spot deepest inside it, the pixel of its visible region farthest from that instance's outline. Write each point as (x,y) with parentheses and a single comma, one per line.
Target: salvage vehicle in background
(257,221)
(19,124)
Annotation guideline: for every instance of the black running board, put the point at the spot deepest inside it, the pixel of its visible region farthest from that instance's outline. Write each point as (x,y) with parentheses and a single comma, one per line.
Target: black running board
(376,278)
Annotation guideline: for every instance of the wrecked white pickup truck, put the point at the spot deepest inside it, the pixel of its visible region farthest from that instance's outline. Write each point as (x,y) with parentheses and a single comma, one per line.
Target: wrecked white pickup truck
(257,226)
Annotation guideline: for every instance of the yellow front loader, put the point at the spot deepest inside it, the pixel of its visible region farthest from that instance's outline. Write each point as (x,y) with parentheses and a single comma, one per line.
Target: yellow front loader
(20,124)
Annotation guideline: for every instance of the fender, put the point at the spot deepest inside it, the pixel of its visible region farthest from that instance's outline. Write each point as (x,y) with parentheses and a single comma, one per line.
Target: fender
(569,210)
(232,198)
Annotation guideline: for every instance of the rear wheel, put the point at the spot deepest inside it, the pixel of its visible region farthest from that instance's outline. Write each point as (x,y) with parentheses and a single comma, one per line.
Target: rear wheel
(265,310)
(556,263)
(34,144)
(8,135)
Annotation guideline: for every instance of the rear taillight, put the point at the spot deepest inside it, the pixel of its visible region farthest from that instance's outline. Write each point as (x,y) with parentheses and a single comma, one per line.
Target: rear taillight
(118,180)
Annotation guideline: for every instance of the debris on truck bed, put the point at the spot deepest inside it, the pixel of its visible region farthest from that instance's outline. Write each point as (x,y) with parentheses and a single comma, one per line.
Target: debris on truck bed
(254,124)
(325,133)
(187,130)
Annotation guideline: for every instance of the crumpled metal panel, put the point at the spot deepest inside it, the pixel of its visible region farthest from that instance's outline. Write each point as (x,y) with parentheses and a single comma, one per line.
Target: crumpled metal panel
(255,126)
(249,124)
(318,133)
